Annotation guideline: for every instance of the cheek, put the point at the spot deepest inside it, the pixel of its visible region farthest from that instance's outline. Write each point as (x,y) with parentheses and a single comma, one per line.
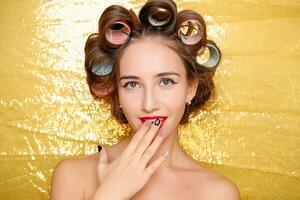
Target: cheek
(175,103)
(176,95)
(130,104)
(176,106)
(129,99)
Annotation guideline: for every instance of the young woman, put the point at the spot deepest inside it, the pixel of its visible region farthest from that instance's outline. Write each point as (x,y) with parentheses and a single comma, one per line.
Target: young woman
(146,68)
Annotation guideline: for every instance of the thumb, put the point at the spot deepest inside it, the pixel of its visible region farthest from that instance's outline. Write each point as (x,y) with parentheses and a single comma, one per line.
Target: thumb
(103,160)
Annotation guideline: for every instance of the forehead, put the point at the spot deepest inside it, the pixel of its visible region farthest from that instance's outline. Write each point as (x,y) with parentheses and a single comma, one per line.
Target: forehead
(150,56)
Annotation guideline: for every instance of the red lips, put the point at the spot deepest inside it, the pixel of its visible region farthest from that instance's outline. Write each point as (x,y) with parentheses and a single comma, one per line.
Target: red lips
(153,118)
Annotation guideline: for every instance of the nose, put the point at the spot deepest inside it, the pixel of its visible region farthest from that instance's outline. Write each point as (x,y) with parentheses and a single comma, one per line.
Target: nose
(150,101)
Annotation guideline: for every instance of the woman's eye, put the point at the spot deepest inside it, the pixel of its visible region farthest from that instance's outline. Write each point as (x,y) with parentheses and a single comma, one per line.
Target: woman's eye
(130,84)
(167,82)
(163,82)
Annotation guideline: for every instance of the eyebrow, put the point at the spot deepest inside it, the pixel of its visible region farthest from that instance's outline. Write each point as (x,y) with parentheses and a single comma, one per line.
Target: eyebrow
(157,75)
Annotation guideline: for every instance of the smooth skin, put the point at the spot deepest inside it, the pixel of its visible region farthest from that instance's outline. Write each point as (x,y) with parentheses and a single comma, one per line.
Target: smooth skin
(131,165)
(129,169)
(135,167)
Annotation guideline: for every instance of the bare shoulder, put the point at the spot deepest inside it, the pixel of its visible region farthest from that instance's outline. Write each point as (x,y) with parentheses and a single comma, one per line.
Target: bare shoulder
(218,186)
(225,189)
(70,177)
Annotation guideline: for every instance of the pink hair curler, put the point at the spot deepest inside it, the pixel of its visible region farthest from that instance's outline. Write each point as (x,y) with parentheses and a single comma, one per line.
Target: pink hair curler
(190,32)
(104,90)
(117,33)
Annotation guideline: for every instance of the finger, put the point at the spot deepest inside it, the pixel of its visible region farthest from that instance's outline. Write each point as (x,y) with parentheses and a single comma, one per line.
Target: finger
(138,136)
(155,165)
(148,138)
(152,149)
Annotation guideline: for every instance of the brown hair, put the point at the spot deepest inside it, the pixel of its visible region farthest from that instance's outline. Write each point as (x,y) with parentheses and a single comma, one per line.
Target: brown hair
(98,49)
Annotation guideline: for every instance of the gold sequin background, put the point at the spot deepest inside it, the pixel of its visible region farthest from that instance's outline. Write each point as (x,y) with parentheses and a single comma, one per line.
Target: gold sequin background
(250,133)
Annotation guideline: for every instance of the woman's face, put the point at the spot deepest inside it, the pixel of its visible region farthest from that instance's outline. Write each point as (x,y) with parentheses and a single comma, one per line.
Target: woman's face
(152,84)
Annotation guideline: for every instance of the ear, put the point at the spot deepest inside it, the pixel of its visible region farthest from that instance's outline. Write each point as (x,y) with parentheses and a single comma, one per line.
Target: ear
(192,89)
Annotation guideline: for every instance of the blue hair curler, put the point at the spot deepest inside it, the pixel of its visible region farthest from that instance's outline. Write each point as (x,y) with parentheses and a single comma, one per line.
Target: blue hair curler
(101,69)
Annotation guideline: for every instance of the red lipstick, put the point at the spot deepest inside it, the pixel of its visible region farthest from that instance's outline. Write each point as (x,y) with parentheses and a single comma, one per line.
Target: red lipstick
(152,118)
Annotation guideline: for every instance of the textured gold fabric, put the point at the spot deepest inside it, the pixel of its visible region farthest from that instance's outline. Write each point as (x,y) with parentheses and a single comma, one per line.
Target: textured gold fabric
(250,133)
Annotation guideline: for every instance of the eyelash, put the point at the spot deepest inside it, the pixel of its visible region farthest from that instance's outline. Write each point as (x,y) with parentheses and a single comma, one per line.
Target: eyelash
(165,79)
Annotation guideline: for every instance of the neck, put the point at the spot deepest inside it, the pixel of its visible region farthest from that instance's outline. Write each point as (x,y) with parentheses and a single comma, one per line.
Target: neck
(177,158)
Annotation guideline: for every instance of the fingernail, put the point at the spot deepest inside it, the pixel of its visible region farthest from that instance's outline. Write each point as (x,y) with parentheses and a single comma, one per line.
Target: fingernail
(161,133)
(166,153)
(148,122)
(157,122)
(99,148)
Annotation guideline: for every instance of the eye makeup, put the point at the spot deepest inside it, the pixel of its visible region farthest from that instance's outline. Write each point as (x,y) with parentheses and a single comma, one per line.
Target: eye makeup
(163,80)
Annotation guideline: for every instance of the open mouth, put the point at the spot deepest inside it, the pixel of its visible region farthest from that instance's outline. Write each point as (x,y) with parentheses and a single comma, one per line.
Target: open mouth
(153,118)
